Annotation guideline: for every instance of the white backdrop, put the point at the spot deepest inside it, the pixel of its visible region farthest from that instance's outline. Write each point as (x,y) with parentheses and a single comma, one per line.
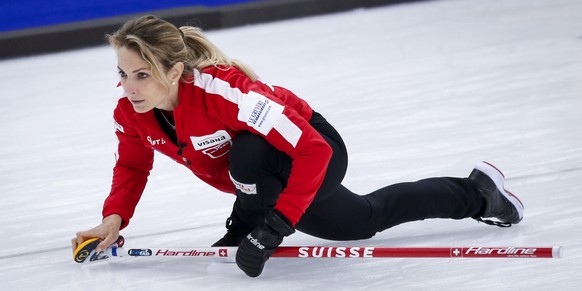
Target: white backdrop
(416,90)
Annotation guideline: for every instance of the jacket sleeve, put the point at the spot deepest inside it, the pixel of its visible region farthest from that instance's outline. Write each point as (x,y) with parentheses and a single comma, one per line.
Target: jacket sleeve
(260,109)
(310,154)
(131,171)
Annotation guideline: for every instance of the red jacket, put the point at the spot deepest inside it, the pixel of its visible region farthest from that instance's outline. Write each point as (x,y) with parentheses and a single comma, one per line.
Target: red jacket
(212,110)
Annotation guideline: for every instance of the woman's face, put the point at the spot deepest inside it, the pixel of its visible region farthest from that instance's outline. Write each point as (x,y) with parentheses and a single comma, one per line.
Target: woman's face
(143,91)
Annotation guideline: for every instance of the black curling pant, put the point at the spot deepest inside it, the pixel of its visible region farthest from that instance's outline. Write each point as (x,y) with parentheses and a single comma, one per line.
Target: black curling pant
(336,212)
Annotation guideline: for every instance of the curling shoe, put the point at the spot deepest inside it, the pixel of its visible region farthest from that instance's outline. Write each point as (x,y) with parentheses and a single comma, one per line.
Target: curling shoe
(500,204)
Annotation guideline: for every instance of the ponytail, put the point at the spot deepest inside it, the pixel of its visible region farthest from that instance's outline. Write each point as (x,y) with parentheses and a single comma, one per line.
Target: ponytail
(204,53)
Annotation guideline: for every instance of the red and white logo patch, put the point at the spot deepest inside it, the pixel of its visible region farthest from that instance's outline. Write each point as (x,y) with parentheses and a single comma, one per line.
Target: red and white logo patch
(213,145)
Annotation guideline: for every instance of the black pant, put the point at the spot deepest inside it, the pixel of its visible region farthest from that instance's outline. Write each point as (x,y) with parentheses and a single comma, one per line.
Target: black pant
(336,212)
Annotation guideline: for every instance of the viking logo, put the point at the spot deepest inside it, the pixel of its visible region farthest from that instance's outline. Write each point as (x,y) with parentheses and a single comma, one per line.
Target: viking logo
(79,258)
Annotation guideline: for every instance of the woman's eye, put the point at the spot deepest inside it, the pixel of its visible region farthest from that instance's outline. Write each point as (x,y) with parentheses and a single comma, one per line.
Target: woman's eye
(142,75)
(122,74)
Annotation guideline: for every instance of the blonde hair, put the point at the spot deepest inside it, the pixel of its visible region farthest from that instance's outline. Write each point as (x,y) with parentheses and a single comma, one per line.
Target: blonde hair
(161,43)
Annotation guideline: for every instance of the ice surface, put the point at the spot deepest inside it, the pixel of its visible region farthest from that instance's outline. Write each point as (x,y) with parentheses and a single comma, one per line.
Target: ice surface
(416,90)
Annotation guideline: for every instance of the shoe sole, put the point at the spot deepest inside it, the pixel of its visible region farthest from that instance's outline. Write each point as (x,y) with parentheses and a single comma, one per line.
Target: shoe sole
(498,178)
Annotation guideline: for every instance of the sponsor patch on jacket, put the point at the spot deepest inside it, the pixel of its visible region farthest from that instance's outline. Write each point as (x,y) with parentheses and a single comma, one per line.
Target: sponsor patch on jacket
(213,145)
(259,112)
(245,188)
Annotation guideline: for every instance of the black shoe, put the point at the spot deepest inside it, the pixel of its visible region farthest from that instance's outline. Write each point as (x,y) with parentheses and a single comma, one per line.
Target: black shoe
(501,204)
(236,232)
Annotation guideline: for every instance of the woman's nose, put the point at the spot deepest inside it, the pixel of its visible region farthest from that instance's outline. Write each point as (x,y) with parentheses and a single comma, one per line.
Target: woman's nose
(128,87)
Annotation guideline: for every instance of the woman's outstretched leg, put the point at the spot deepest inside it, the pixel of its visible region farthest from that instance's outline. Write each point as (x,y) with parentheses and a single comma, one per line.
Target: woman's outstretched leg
(344,215)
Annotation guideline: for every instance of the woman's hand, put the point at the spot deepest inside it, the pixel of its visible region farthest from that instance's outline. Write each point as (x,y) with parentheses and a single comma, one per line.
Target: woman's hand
(257,247)
(108,231)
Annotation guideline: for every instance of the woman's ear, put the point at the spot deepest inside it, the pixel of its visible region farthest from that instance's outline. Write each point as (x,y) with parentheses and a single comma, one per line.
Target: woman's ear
(176,71)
